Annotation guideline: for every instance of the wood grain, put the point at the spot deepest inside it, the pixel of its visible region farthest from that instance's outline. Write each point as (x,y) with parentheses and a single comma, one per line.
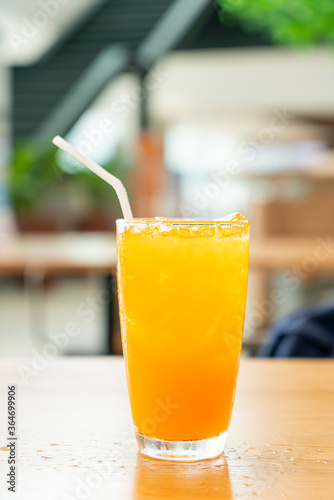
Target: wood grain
(75,438)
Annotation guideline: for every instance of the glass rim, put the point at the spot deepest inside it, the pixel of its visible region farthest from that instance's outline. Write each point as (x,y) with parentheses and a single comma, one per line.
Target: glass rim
(180,222)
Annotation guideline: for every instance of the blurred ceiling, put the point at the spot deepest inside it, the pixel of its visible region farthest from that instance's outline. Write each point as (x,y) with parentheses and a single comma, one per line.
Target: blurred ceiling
(202,85)
(30,28)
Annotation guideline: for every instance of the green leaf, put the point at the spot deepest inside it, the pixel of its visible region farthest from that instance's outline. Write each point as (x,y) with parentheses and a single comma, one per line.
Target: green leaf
(292,22)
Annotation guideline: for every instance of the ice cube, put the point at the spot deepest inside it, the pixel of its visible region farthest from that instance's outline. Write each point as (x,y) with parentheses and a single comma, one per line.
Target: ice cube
(234,217)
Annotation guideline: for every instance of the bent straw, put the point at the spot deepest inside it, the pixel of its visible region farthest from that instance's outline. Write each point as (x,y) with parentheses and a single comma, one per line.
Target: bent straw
(101,172)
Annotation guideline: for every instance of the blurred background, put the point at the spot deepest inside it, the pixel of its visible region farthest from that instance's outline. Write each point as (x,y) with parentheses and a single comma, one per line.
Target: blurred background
(202,108)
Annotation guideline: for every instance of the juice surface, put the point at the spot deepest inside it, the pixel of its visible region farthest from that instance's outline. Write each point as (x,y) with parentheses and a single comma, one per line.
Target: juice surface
(182,295)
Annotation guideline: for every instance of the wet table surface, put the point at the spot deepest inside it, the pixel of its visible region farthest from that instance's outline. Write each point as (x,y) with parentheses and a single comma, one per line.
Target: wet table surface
(75,439)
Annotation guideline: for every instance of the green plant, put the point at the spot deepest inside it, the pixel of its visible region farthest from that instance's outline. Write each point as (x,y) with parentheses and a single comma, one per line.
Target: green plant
(293,22)
(32,178)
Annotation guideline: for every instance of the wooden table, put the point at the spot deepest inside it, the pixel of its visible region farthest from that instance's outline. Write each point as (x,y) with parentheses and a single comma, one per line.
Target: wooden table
(58,253)
(96,252)
(75,439)
(283,253)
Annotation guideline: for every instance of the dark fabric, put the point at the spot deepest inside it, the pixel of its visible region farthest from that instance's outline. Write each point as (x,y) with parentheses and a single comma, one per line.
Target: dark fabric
(307,334)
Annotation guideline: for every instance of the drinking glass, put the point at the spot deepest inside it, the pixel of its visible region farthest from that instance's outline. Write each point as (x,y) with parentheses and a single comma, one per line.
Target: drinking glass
(182,288)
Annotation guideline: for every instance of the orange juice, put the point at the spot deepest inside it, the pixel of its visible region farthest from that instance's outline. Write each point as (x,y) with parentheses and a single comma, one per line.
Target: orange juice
(182,297)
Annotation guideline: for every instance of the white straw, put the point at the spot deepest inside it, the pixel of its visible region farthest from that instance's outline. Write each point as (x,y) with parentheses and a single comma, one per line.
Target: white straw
(101,172)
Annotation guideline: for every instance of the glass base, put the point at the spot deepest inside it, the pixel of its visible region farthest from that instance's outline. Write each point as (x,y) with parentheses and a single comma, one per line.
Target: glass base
(182,451)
